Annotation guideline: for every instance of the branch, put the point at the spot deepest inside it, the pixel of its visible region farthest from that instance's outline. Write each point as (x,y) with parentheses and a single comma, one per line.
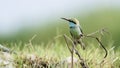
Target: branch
(99,31)
(83,64)
(71,50)
(106,52)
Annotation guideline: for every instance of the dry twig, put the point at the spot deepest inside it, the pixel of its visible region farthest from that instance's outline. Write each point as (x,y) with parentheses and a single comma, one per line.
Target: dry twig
(82,62)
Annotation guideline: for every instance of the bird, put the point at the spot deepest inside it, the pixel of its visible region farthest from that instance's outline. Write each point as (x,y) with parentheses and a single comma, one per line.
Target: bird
(75,31)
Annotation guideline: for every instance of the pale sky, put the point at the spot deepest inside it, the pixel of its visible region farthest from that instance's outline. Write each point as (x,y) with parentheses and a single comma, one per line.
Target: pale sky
(15,14)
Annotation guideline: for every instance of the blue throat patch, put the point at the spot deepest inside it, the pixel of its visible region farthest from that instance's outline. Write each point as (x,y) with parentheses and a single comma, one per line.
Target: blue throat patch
(72,25)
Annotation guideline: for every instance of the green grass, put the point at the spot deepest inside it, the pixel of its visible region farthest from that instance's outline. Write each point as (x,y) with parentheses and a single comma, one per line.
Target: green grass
(56,51)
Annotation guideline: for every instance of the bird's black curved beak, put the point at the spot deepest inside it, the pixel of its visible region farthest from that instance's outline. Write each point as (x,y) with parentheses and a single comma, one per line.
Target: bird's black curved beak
(66,19)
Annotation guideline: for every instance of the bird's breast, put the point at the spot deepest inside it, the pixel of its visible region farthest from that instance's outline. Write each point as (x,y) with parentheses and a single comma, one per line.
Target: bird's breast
(75,32)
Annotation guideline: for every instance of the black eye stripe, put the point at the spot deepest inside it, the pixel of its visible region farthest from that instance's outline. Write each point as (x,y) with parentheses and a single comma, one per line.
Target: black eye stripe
(72,21)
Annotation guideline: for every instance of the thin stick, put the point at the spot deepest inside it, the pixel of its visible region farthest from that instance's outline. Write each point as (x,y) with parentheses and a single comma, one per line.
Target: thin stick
(99,31)
(106,52)
(71,51)
(83,64)
(30,41)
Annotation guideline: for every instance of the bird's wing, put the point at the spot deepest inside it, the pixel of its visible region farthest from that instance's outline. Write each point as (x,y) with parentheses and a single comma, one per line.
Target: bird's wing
(71,34)
(80,29)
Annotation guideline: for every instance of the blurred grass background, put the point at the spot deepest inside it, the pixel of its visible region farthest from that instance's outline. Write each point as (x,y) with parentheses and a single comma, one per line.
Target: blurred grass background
(108,18)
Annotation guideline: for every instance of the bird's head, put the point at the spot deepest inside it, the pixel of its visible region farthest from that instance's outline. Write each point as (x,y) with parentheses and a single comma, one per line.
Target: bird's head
(71,20)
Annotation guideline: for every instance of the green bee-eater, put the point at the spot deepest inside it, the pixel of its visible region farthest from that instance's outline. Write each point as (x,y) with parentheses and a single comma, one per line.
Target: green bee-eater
(75,31)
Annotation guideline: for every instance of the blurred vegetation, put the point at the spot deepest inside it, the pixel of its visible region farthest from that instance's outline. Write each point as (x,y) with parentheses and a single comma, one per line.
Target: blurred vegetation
(90,22)
(55,56)
(44,46)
